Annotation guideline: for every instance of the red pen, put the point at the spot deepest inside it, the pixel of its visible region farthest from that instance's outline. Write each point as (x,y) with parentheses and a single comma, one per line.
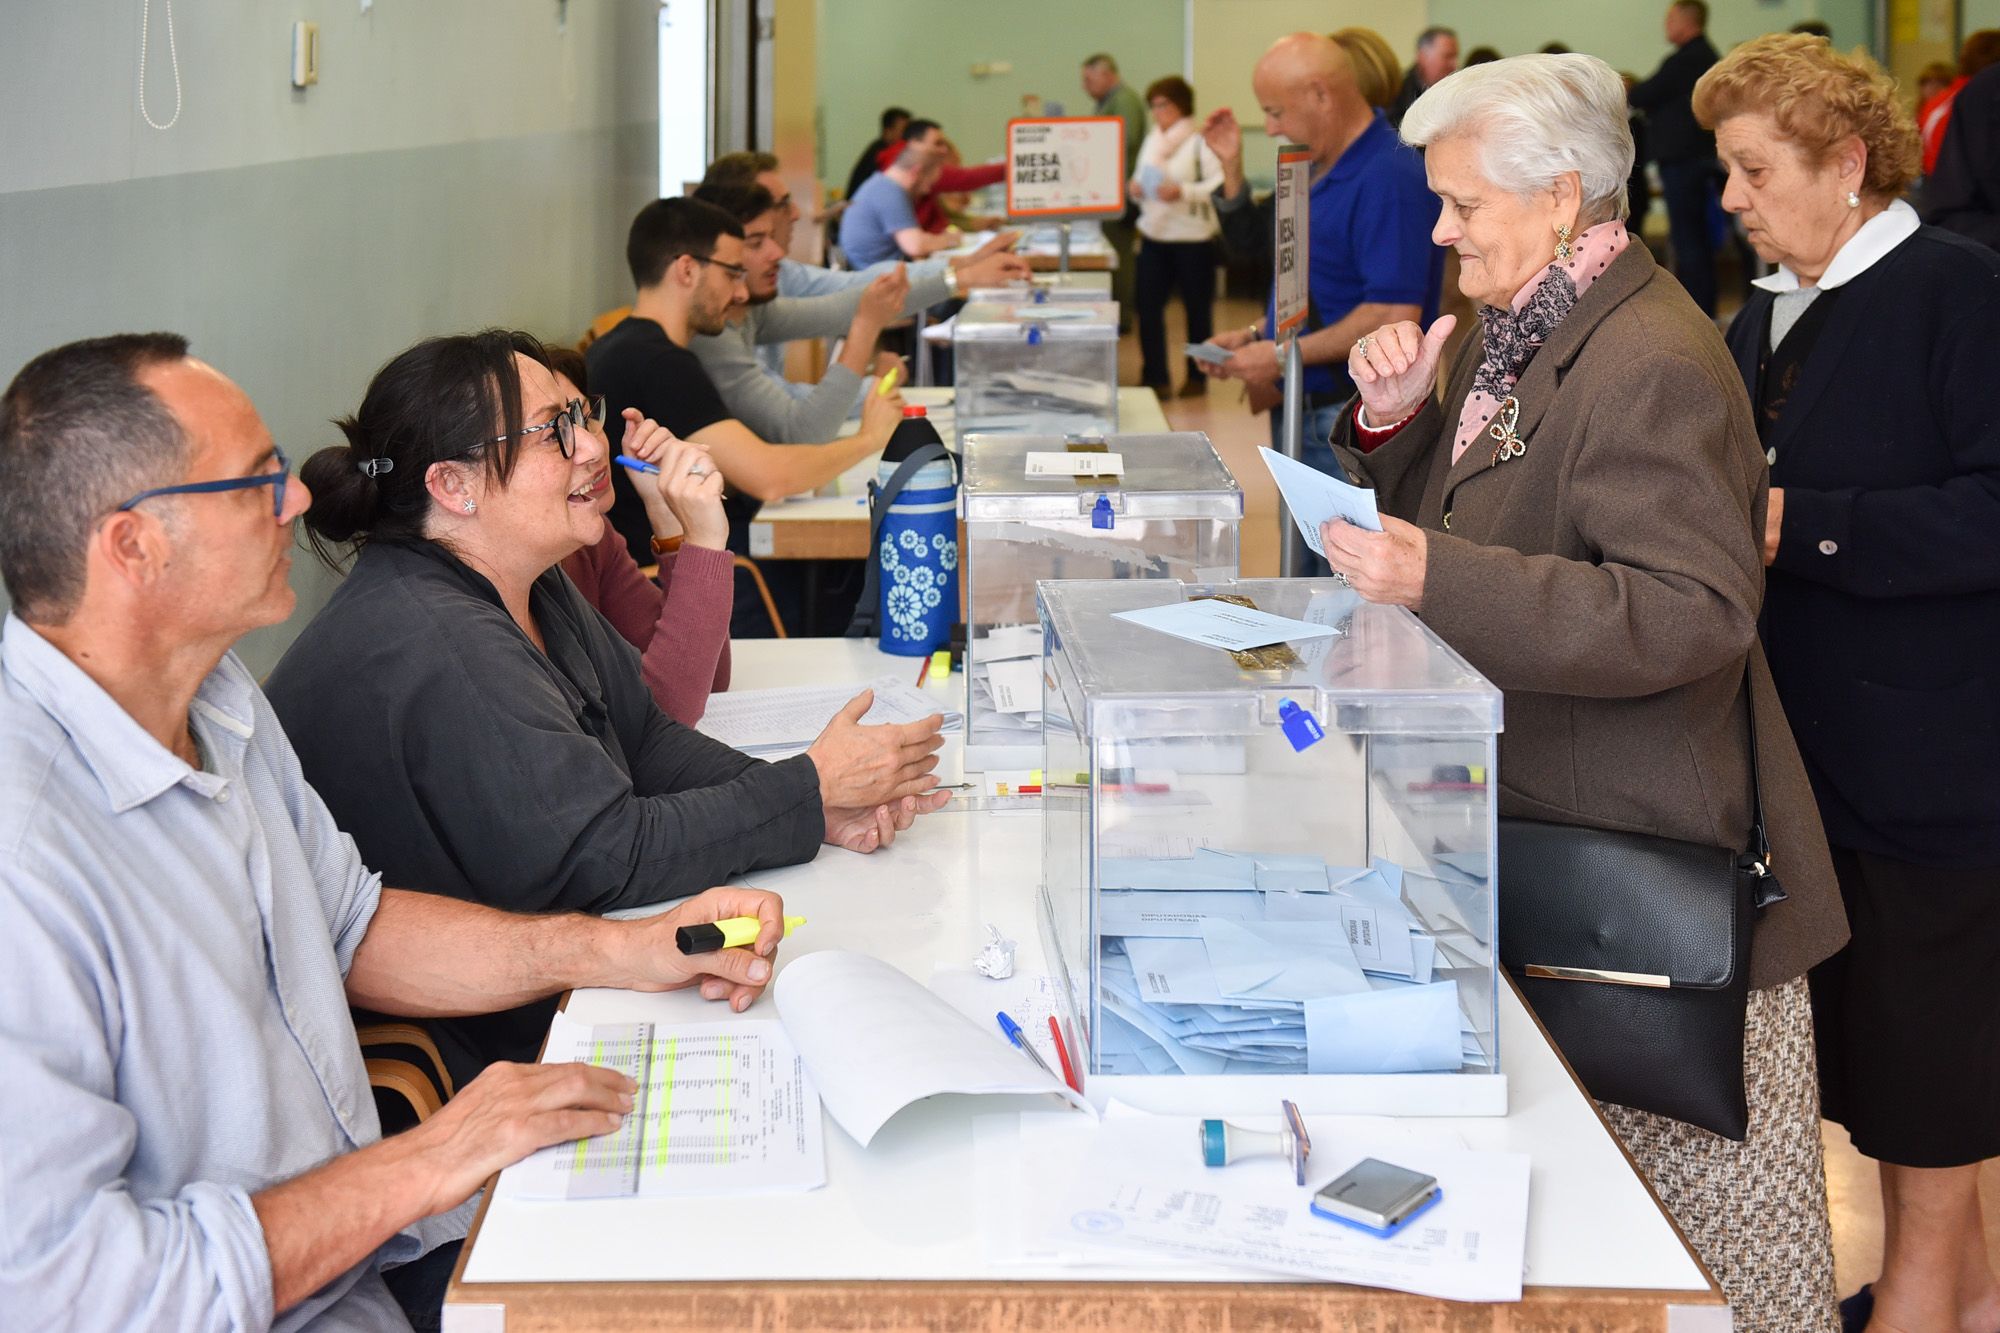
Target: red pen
(1062,1054)
(924,671)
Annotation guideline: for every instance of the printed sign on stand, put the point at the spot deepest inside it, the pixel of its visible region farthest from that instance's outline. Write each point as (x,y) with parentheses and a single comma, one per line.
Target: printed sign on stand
(1066,167)
(1290,205)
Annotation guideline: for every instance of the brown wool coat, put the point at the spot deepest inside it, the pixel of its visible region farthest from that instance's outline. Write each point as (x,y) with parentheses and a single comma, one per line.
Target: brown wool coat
(1608,581)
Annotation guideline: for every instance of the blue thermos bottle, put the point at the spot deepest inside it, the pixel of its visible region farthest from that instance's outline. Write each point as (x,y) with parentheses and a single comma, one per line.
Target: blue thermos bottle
(910,599)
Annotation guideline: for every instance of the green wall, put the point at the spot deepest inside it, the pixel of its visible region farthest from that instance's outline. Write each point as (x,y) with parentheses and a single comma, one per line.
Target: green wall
(461,163)
(918,54)
(1627,33)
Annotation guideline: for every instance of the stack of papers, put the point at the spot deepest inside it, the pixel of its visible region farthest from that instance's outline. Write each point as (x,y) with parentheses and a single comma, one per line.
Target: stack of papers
(1226,962)
(766,722)
(1005,682)
(721,1108)
(1136,1188)
(1036,402)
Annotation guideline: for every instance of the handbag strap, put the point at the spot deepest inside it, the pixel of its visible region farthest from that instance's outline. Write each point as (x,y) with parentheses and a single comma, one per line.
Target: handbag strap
(1757,861)
(867,611)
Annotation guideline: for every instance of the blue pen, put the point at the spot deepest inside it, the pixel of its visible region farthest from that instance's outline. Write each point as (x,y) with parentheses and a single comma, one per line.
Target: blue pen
(1015,1035)
(626,460)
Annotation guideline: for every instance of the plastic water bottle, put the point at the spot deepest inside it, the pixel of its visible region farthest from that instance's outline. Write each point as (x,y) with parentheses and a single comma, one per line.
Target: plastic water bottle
(916,546)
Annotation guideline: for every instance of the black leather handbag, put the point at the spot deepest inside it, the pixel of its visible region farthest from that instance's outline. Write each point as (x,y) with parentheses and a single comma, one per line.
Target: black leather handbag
(1634,952)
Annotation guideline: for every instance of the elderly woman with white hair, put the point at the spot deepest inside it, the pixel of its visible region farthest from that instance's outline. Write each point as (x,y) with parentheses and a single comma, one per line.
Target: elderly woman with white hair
(1579,514)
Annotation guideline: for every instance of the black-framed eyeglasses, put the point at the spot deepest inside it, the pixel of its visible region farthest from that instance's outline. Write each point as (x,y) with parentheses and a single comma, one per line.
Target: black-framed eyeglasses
(570,418)
(275,480)
(737,271)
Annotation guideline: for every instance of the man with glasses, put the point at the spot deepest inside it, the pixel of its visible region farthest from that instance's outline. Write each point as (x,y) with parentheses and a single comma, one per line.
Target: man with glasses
(747,360)
(187,1136)
(687,258)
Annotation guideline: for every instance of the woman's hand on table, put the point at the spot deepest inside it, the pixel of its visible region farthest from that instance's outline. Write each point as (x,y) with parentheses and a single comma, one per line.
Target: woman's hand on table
(1386,566)
(862,766)
(1395,368)
(866,829)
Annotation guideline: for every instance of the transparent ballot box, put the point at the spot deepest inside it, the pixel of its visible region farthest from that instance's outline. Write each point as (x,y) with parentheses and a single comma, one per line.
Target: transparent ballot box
(1030,367)
(1172,514)
(1269,874)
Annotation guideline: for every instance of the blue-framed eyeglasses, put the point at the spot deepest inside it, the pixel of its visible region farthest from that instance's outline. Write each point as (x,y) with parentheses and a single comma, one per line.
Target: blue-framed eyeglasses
(275,480)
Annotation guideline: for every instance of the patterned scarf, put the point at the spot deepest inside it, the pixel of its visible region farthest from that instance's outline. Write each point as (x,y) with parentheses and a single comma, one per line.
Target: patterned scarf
(1512,336)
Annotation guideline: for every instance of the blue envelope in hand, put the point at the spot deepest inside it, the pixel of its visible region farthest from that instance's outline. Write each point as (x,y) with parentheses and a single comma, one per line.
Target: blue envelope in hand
(1281,960)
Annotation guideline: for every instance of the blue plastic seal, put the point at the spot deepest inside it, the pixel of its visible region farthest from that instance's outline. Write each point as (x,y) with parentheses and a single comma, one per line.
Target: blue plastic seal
(1102,517)
(1214,1143)
(1034,335)
(1041,296)
(1301,728)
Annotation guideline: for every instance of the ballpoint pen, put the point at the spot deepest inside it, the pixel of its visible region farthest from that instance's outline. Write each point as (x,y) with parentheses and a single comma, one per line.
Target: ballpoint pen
(1020,1039)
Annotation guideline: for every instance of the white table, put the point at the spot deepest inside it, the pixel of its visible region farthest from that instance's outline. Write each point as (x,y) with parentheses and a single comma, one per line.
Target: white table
(894,1240)
(834,525)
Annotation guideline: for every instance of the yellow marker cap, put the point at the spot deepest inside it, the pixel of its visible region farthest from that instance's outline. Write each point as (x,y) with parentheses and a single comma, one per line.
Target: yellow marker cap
(738,931)
(941,663)
(888,383)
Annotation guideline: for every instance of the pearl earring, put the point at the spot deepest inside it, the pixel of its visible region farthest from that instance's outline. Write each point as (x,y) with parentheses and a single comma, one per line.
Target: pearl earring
(1853,199)
(1564,250)
(469,506)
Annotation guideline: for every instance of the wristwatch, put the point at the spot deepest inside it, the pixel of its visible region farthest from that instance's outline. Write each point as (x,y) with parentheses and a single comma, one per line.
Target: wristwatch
(668,545)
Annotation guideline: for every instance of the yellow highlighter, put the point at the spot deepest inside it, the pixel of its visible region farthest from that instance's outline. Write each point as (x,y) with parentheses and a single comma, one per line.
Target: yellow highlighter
(729,933)
(888,384)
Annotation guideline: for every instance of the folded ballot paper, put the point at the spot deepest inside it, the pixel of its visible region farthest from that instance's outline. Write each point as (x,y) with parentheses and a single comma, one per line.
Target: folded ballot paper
(1229,962)
(777,721)
(874,1040)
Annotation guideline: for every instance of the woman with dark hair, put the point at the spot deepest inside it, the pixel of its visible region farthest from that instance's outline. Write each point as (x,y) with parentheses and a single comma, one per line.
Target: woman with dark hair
(1869,357)
(1172,180)
(680,624)
(478,728)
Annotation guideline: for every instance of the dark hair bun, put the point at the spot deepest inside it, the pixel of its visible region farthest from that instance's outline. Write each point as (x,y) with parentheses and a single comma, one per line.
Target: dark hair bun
(344,498)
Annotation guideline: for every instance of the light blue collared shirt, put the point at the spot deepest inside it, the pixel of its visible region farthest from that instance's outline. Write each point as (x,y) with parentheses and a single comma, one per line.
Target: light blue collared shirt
(928,285)
(174,1031)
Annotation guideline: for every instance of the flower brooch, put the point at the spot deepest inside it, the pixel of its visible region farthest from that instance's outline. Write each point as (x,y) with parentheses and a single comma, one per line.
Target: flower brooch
(1503,429)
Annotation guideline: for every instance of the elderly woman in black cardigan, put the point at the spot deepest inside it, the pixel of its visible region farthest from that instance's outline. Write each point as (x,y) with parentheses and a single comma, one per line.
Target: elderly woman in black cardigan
(1872,356)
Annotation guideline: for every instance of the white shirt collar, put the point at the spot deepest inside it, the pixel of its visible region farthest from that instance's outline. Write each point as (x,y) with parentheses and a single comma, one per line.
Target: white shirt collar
(1876,238)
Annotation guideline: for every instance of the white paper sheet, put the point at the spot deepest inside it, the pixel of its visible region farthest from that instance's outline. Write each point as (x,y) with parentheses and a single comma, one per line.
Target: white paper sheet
(1313,498)
(1048,463)
(1003,642)
(722,1108)
(792,717)
(875,1041)
(1223,624)
(1142,1189)
(1016,685)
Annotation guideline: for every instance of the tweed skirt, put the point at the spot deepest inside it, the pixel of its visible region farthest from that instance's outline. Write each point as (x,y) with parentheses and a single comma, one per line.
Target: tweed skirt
(1754,1211)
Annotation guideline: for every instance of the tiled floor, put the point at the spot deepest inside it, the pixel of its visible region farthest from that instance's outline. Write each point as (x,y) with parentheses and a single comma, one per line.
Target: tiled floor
(1852,1186)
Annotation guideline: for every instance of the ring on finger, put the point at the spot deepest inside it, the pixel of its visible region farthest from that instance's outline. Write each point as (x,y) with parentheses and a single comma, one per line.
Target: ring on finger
(697,471)
(1361,344)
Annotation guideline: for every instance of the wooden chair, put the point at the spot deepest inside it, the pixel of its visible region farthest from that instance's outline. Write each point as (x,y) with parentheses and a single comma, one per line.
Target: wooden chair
(756,576)
(602,325)
(406,1091)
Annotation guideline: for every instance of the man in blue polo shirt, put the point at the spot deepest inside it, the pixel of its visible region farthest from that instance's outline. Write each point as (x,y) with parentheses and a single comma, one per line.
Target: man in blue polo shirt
(1370,259)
